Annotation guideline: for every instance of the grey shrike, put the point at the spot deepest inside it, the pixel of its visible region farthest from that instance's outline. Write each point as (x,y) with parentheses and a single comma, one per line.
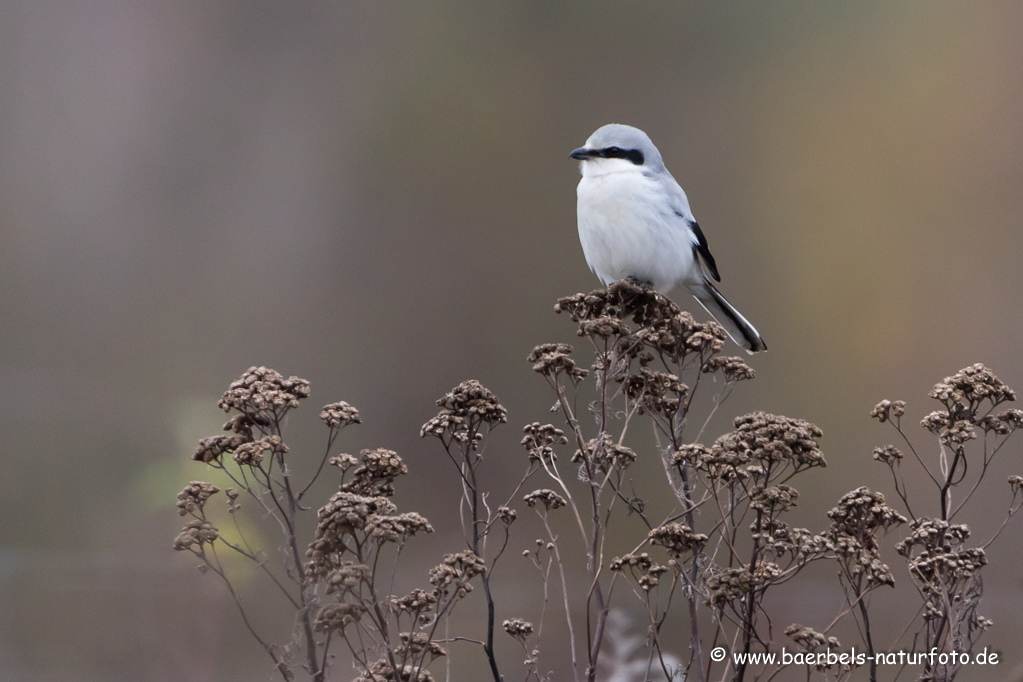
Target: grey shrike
(634,221)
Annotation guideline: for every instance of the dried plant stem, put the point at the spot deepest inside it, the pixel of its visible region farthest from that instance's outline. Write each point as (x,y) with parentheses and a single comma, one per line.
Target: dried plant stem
(865,616)
(986,462)
(218,569)
(467,461)
(564,592)
(305,591)
(748,624)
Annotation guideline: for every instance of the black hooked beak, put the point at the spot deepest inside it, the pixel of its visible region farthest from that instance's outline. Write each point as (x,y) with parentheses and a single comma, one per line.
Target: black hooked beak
(583,153)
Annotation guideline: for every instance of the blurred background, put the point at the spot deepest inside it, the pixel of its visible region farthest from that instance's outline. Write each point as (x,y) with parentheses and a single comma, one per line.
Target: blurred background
(378,197)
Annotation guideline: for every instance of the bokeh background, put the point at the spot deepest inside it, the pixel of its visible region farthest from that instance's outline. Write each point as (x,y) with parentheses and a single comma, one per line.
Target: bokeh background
(377,197)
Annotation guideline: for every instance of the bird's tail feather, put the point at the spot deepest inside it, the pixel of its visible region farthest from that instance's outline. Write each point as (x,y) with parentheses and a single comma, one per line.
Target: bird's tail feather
(736,326)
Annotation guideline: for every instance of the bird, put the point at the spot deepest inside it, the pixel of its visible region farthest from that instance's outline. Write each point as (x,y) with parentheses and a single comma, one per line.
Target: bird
(635,223)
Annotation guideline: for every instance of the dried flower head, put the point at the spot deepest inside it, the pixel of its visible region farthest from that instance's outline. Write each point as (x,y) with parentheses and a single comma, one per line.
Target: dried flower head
(418,643)
(194,535)
(855,524)
(659,393)
(338,616)
(809,639)
(347,512)
(640,561)
(397,528)
(860,512)
(955,427)
(194,495)
(463,410)
(604,327)
(518,628)
(539,441)
(968,387)
(344,515)
(716,462)
(733,367)
(770,439)
(781,539)
(251,453)
(938,562)
(344,461)
(727,585)
(887,409)
(690,454)
(1002,424)
(375,477)
(1013,419)
(415,602)
(652,578)
(680,335)
(664,327)
(507,515)
(773,500)
(706,338)
(456,571)
(621,300)
(340,413)
(551,359)
(957,433)
(346,577)
(549,499)
(641,568)
(240,424)
(889,454)
(605,454)
(210,449)
(1016,483)
(472,400)
(262,389)
(932,535)
(677,539)
(935,422)
(936,572)
(445,424)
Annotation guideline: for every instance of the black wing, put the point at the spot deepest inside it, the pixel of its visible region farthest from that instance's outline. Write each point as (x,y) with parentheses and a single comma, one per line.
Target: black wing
(701,248)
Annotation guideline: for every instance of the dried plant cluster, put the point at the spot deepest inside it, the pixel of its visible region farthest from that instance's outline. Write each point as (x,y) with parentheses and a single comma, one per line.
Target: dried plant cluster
(713,560)
(336,585)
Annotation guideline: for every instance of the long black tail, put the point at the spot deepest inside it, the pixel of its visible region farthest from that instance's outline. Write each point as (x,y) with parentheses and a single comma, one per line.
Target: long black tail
(736,326)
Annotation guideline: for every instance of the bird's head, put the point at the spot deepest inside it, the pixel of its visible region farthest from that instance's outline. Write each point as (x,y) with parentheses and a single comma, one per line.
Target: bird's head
(616,148)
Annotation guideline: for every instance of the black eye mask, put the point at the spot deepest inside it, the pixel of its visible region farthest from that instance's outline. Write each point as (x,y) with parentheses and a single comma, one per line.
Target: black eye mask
(633,155)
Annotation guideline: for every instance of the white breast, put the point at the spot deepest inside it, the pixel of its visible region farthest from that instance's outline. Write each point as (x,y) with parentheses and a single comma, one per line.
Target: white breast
(628,228)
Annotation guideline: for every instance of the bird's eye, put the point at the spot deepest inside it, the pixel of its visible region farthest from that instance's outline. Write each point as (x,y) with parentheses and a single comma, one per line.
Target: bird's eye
(633,155)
